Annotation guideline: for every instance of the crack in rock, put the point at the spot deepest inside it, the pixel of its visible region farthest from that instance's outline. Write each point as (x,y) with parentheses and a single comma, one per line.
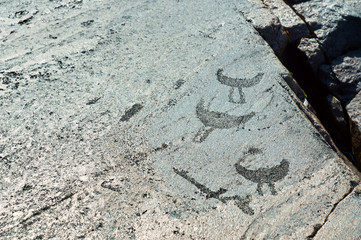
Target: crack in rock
(318,226)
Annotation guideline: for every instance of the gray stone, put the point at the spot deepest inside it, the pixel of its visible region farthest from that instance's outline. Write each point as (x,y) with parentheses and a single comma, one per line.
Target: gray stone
(311,48)
(122,127)
(347,69)
(353,110)
(343,76)
(266,23)
(328,78)
(337,24)
(348,208)
(294,25)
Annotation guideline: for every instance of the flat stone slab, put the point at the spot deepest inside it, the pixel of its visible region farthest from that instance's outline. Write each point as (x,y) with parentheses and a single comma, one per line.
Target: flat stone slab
(349,208)
(157,120)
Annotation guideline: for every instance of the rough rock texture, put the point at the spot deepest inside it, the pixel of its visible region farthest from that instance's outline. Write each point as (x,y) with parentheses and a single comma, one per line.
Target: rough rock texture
(295,26)
(353,109)
(343,76)
(347,69)
(337,24)
(336,42)
(155,120)
(339,120)
(311,48)
(349,208)
(266,23)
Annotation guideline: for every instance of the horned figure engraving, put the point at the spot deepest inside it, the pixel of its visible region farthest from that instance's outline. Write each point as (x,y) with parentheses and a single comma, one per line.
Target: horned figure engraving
(238,83)
(212,120)
(265,175)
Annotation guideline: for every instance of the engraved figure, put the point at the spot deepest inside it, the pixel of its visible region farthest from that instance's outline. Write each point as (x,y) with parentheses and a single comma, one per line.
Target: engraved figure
(238,83)
(212,120)
(241,203)
(265,175)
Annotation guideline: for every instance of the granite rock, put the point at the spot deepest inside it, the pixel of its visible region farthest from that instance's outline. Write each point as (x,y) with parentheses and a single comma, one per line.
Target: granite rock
(339,122)
(345,210)
(347,69)
(295,26)
(353,110)
(311,48)
(125,121)
(337,24)
(266,23)
(343,75)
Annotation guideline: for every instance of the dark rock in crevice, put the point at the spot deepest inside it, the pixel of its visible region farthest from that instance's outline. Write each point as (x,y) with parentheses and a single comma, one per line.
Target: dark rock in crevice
(310,59)
(296,62)
(343,76)
(345,37)
(310,29)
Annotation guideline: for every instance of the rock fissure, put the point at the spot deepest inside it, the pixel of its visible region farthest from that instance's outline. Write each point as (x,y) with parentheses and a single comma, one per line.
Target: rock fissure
(149,108)
(312,33)
(304,56)
(318,227)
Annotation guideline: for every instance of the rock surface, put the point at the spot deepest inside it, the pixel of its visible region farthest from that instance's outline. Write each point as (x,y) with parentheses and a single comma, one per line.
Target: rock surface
(157,120)
(332,48)
(339,119)
(353,109)
(311,48)
(266,23)
(295,26)
(337,24)
(345,210)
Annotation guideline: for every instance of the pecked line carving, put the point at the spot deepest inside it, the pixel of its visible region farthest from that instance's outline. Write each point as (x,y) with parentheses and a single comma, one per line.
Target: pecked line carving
(212,120)
(264,175)
(238,83)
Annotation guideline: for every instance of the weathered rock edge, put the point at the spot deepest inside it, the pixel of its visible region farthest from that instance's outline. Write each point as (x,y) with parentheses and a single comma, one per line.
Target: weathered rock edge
(288,18)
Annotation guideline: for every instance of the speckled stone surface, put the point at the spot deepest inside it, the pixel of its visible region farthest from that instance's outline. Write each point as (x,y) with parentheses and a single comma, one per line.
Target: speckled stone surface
(156,120)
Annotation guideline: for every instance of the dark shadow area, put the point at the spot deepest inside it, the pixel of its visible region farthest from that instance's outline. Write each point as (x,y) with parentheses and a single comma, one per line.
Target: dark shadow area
(295,1)
(346,36)
(295,61)
(348,88)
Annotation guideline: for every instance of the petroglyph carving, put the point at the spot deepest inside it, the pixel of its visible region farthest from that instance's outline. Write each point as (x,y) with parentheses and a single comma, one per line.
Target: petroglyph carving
(131,112)
(241,203)
(212,120)
(263,175)
(238,83)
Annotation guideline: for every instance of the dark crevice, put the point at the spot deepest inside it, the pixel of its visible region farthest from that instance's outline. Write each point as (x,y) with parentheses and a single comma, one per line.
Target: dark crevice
(296,62)
(345,37)
(310,29)
(316,228)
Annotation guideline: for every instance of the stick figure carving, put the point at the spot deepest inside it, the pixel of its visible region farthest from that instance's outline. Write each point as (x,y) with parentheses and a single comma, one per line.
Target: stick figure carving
(238,83)
(241,202)
(265,175)
(212,120)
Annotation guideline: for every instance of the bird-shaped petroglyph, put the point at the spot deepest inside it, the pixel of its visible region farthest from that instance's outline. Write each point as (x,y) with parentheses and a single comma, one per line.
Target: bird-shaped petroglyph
(265,175)
(238,83)
(213,120)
